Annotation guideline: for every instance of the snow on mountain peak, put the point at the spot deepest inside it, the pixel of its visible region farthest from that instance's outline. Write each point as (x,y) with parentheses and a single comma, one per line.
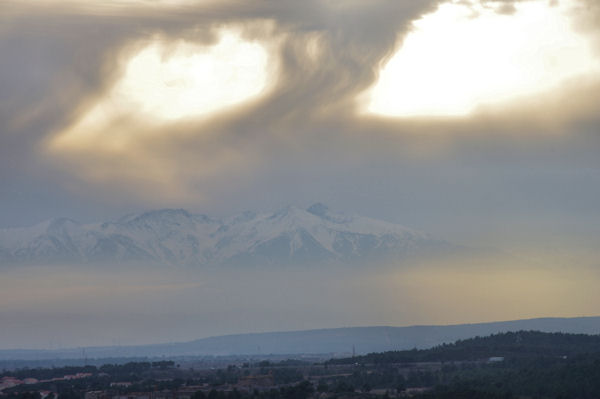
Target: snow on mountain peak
(318,209)
(321,210)
(176,236)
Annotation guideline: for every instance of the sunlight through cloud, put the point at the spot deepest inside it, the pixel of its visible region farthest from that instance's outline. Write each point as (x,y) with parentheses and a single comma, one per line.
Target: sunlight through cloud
(166,82)
(187,81)
(466,55)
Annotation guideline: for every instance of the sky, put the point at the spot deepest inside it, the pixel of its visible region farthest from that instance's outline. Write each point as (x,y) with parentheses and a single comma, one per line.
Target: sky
(476,121)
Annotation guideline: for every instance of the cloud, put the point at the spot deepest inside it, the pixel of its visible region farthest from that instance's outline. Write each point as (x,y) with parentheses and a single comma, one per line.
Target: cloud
(327,53)
(305,132)
(522,175)
(453,61)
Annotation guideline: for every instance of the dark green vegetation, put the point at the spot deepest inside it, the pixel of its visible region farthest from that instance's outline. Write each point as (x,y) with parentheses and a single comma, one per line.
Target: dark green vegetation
(534,364)
(522,344)
(523,364)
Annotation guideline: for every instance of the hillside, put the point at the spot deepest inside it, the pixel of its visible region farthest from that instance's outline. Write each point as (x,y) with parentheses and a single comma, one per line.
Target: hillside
(507,345)
(337,341)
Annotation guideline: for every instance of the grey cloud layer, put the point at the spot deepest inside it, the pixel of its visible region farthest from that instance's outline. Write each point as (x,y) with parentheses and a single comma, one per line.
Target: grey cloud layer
(59,59)
(303,142)
(524,177)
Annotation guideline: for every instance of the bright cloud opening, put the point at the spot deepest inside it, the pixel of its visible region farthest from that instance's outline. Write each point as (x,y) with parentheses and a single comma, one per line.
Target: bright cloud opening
(166,82)
(192,80)
(462,56)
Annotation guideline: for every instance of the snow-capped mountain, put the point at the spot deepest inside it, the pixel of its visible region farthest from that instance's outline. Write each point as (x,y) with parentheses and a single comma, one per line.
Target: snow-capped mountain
(175,236)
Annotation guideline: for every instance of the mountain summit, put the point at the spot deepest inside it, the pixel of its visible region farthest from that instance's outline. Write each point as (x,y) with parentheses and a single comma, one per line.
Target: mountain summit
(176,236)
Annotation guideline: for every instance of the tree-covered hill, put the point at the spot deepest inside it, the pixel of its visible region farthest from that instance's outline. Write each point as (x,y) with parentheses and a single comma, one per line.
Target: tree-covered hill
(520,344)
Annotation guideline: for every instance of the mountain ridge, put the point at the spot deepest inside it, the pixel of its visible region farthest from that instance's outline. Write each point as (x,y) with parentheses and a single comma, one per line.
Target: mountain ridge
(340,340)
(176,236)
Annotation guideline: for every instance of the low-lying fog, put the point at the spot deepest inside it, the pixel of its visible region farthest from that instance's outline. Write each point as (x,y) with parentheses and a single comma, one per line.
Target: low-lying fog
(87,305)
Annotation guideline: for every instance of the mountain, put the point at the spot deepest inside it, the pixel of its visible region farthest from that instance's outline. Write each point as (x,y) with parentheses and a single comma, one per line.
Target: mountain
(324,341)
(175,236)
